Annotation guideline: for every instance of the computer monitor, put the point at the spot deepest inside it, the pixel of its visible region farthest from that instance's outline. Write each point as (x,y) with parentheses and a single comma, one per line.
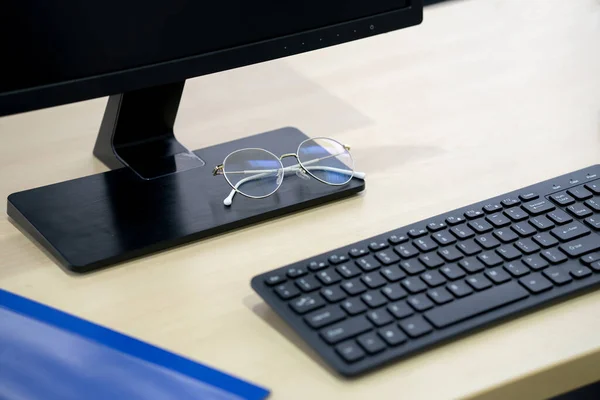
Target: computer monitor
(158,193)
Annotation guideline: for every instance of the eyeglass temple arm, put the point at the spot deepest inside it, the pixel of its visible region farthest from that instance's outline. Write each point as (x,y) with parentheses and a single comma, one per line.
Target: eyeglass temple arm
(229,199)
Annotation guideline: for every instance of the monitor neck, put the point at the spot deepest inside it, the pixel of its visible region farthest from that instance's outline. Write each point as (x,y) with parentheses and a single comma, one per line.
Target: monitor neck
(137,132)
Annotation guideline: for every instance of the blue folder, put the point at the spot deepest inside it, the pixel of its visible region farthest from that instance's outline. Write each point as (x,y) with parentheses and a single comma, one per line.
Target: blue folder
(50,355)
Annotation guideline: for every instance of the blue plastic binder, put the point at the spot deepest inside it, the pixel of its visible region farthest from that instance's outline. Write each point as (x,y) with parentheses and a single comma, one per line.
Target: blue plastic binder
(50,355)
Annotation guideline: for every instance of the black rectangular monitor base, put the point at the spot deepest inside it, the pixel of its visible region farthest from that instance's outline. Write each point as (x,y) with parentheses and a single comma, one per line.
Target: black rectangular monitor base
(107,218)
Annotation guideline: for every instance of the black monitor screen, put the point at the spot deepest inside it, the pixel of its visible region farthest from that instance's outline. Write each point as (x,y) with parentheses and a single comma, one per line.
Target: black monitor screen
(46,41)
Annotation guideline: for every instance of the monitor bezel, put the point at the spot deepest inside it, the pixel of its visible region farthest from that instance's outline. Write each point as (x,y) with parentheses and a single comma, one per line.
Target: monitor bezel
(189,67)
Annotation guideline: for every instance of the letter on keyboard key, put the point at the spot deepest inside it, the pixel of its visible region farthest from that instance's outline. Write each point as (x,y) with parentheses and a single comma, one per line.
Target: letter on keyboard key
(346,329)
(476,304)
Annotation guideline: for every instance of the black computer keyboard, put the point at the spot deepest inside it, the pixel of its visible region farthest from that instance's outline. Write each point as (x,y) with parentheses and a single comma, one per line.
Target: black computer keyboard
(384,298)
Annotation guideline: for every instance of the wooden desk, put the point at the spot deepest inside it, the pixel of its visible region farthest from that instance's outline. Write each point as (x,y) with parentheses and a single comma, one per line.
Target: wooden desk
(483,98)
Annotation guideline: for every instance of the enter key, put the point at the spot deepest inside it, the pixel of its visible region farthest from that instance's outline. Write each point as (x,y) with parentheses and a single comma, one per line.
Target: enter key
(570,231)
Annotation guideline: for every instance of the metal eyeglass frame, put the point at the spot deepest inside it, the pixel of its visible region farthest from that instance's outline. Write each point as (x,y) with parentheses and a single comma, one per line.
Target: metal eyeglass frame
(301,169)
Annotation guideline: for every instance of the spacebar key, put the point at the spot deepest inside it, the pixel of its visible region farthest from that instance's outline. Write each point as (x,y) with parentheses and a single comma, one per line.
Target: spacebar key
(476,304)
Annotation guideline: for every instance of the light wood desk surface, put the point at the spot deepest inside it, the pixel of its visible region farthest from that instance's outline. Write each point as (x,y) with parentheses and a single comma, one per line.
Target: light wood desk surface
(485,97)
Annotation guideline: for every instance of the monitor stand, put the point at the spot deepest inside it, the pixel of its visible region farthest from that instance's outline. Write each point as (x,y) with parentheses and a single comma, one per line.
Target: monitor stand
(158,194)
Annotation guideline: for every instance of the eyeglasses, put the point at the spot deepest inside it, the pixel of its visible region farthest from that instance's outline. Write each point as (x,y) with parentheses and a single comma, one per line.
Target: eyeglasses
(258,173)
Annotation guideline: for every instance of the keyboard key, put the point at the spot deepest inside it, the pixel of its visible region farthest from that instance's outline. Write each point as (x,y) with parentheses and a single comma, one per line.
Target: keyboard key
(498,220)
(443,238)
(394,292)
(460,289)
(524,229)
(371,343)
(580,272)
(317,265)
(387,257)
(440,295)
(436,226)
(450,254)
(595,266)
(516,214)
(431,260)
(497,275)
(346,329)
(376,246)
(562,199)
(333,294)
(535,262)
(338,259)
(590,258)
(275,279)
(545,240)
(490,258)
(594,204)
(368,263)
(406,250)
(469,247)
(412,267)
(415,326)
(536,283)
(538,207)
(541,223)
(492,208)
(455,220)
(516,269)
(462,232)
(580,193)
(286,291)
(379,317)
(392,335)
(554,256)
(581,246)
(398,238)
(373,299)
(307,303)
(354,287)
(557,275)
(593,187)
(527,246)
(471,265)
(417,232)
(420,302)
(425,244)
(433,278)
(324,317)
(528,196)
(510,202)
(487,241)
(400,309)
(570,231)
(472,214)
(296,272)
(393,273)
(414,285)
(480,226)
(452,272)
(508,252)
(328,277)
(506,235)
(373,280)
(479,282)
(350,351)
(353,306)
(559,217)
(479,303)
(348,270)
(358,252)
(308,284)
(579,210)
(593,222)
